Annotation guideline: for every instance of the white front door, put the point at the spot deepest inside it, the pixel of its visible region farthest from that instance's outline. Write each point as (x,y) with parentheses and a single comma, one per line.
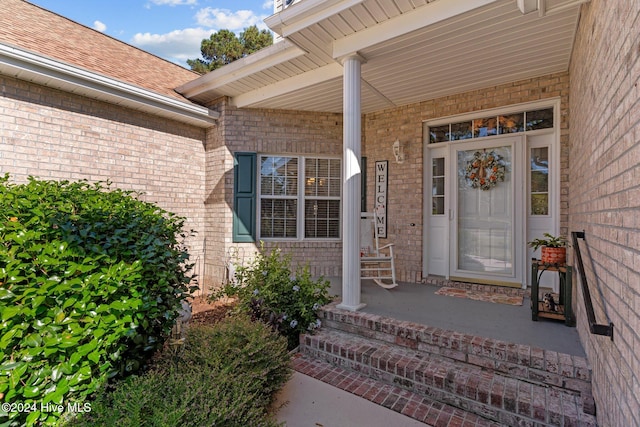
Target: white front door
(486,234)
(478,220)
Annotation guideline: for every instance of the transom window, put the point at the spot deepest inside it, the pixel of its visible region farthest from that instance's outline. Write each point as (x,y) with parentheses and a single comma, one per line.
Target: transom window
(493,125)
(299,197)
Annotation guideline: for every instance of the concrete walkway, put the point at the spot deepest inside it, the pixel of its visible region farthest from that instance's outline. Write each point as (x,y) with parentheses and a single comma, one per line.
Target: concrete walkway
(313,403)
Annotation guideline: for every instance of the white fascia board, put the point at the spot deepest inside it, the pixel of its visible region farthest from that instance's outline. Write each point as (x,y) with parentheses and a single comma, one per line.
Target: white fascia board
(289,85)
(306,13)
(261,60)
(48,72)
(430,14)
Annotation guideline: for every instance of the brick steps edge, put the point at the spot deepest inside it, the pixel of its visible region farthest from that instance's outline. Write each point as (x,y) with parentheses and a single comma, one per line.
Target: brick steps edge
(488,394)
(515,360)
(398,399)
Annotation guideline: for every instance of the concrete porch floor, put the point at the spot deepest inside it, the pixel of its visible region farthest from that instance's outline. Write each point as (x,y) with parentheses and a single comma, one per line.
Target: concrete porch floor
(418,303)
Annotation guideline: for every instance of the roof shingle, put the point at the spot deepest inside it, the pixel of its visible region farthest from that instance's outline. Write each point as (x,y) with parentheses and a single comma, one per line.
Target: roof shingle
(40,31)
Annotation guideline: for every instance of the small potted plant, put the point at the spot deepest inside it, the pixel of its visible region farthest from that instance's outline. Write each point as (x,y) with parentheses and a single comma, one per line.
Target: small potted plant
(553,249)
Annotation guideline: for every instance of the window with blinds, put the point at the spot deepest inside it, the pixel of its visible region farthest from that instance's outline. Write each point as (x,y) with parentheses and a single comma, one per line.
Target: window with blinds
(299,197)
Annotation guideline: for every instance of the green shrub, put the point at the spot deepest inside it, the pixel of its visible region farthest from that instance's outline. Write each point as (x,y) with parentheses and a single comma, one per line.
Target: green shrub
(269,292)
(237,344)
(91,279)
(225,375)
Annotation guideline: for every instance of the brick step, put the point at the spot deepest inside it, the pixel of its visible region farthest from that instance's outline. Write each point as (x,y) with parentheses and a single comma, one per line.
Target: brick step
(488,394)
(398,399)
(523,362)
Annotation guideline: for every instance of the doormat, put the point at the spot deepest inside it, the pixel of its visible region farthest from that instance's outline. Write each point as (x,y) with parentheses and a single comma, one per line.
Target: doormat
(480,296)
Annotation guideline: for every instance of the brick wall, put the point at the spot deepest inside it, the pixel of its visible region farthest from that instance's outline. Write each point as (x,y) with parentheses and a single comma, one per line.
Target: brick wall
(605,197)
(263,131)
(269,131)
(54,135)
(60,136)
(405,193)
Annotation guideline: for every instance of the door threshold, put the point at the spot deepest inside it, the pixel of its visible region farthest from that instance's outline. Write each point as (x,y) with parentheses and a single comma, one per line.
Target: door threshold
(481,281)
(471,284)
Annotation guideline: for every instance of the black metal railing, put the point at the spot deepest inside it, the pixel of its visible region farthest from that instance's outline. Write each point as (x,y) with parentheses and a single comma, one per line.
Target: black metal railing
(595,328)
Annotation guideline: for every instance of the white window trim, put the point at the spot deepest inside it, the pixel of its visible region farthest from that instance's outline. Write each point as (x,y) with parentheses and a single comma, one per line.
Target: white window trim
(301,197)
(498,111)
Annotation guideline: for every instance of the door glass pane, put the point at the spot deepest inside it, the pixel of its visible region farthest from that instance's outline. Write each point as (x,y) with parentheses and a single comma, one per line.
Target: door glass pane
(438,134)
(485,127)
(438,167)
(512,123)
(485,215)
(540,119)
(539,176)
(437,186)
(461,131)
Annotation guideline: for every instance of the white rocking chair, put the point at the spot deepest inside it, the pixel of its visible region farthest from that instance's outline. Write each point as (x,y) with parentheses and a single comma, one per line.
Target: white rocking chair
(376,262)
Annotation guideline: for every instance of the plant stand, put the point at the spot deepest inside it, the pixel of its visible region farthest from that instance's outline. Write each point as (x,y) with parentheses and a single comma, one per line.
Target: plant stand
(563,308)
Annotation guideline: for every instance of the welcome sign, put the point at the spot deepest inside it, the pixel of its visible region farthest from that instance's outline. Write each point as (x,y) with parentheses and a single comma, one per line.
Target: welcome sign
(382,183)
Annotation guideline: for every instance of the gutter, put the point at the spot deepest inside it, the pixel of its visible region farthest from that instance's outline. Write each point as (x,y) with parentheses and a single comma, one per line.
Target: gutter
(306,13)
(25,65)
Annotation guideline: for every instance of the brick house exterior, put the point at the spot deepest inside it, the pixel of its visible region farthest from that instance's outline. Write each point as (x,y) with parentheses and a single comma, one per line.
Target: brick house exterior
(603,195)
(52,133)
(184,161)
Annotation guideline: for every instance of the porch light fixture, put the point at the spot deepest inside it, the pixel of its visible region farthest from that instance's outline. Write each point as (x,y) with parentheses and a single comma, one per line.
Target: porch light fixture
(398,151)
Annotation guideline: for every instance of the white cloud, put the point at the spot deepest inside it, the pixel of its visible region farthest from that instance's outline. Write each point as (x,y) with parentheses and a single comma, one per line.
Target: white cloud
(176,46)
(174,2)
(228,20)
(99,26)
(179,45)
(268,4)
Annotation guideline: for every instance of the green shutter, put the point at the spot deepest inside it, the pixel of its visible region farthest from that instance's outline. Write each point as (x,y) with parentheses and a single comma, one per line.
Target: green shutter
(244,197)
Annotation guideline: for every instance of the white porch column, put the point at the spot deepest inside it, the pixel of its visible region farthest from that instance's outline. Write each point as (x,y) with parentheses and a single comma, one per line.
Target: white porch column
(351,140)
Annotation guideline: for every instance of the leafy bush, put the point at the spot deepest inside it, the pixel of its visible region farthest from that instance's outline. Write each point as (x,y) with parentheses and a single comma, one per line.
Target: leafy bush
(225,375)
(90,283)
(269,292)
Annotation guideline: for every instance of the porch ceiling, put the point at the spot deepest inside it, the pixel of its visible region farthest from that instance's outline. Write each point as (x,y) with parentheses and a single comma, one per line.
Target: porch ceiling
(414,50)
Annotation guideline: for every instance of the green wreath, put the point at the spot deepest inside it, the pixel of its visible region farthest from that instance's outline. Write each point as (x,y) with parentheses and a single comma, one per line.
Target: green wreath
(485,170)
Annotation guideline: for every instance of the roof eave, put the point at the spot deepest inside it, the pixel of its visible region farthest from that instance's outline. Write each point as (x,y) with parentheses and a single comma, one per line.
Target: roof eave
(263,59)
(28,66)
(306,13)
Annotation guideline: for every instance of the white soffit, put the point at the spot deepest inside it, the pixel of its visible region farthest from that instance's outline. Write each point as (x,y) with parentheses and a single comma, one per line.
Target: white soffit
(261,61)
(406,23)
(289,85)
(415,50)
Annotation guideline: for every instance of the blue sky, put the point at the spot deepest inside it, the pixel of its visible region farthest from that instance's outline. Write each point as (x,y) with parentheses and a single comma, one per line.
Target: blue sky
(171,29)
